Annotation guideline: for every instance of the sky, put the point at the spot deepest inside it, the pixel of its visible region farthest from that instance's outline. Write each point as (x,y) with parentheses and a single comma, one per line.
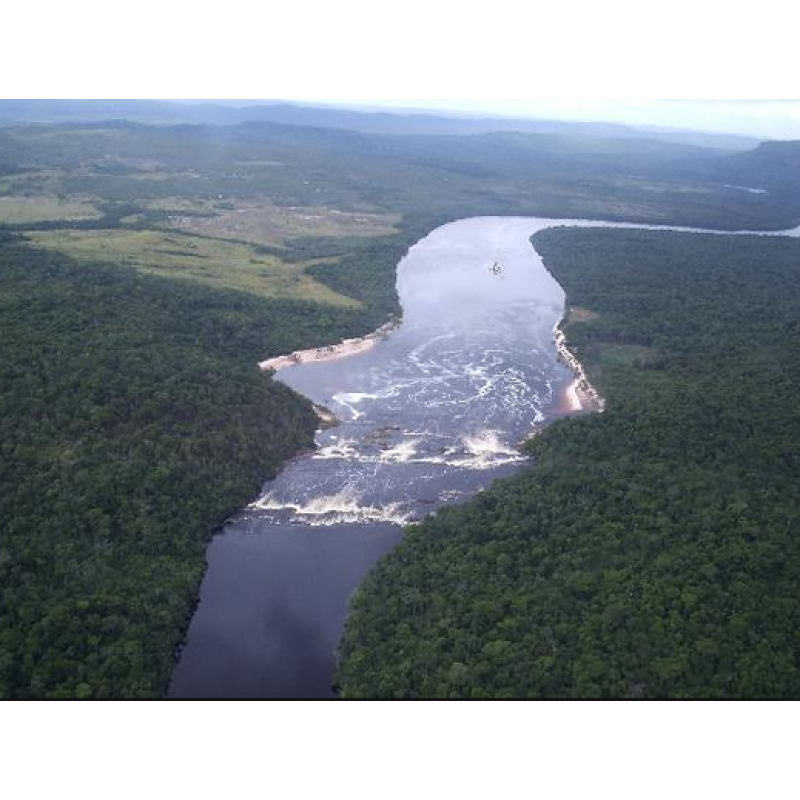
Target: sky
(779,119)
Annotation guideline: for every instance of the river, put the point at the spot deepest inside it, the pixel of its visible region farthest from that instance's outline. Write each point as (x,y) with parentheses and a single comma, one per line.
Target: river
(429,416)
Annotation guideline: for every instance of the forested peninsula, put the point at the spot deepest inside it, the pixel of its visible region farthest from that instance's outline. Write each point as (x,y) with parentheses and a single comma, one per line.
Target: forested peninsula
(651,551)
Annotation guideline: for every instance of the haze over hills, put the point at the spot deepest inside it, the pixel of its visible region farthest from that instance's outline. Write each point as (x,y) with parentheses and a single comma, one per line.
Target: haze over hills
(763,119)
(365,120)
(501,172)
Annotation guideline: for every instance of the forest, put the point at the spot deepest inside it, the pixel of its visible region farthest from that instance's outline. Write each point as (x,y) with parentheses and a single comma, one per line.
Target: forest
(138,168)
(134,308)
(133,420)
(651,551)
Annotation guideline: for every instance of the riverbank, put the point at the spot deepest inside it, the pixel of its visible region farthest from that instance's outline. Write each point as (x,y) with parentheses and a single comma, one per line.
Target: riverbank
(580,395)
(659,505)
(458,384)
(333,352)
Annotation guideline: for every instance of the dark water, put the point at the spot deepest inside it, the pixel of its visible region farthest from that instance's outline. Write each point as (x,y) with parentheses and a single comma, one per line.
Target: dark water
(275,599)
(429,417)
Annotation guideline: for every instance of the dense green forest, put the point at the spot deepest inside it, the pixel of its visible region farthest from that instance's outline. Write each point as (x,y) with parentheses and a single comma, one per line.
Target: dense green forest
(650,551)
(133,419)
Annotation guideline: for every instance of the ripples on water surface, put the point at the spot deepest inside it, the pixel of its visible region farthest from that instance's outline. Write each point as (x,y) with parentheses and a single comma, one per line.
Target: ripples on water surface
(430,416)
(437,410)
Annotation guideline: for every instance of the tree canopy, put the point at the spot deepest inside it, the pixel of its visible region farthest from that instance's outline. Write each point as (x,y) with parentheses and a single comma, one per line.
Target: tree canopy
(652,550)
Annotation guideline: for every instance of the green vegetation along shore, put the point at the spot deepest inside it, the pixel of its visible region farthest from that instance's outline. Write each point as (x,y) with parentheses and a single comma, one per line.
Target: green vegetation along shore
(652,550)
(133,420)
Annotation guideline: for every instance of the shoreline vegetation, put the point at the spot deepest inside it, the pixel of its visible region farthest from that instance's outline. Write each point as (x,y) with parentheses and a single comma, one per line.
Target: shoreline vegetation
(135,443)
(134,421)
(649,551)
(138,430)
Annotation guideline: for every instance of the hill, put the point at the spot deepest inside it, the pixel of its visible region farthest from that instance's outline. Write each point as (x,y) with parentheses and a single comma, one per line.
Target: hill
(772,166)
(432,177)
(399,123)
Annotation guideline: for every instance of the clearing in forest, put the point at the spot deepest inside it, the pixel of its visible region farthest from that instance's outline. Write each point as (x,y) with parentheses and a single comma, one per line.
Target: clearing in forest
(221,264)
(22,210)
(262,222)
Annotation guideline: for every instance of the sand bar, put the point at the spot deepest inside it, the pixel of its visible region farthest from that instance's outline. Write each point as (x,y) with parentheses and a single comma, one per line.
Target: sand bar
(333,352)
(580,394)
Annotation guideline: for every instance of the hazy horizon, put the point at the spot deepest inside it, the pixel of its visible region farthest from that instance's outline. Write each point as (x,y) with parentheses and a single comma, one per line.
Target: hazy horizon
(779,119)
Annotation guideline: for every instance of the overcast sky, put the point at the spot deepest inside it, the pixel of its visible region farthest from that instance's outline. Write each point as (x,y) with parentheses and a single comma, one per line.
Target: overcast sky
(763,118)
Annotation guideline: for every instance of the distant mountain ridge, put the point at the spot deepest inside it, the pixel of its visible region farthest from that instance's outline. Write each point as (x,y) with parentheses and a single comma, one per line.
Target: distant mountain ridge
(16,112)
(772,166)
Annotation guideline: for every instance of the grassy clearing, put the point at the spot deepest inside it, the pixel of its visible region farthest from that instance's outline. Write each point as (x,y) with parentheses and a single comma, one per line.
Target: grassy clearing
(223,265)
(268,224)
(16,210)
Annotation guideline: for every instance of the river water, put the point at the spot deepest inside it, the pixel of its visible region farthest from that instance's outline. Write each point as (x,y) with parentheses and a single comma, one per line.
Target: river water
(430,416)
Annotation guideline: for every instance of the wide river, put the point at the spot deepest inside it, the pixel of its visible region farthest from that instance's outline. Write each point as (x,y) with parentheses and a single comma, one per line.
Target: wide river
(429,416)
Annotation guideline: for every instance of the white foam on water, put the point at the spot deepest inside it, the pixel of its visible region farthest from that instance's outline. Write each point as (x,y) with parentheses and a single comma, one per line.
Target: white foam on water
(350,400)
(483,450)
(480,374)
(468,371)
(748,189)
(488,443)
(401,453)
(336,509)
(342,449)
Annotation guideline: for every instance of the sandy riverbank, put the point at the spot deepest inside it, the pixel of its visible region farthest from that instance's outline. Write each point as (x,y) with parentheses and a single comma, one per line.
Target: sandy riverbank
(347,347)
(580,394)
